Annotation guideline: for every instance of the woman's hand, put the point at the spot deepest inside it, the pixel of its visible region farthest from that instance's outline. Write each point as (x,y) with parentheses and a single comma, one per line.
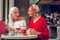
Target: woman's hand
(10,29)
(18,31)
(32,32)
(35,33)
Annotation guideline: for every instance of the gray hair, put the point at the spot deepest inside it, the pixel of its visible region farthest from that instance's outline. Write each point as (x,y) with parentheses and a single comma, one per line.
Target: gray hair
(10,16)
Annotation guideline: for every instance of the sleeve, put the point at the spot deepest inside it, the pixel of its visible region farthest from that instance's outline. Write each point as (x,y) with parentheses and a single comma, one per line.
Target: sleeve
(45,29)
(24,24)
(10,24)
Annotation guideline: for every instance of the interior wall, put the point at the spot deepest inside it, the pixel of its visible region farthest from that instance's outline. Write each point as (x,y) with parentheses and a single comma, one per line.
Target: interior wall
(23,7)
(1,2)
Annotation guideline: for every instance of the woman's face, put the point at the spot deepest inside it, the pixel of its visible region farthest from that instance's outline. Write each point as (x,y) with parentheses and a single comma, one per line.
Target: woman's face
(15,14)
(30,12)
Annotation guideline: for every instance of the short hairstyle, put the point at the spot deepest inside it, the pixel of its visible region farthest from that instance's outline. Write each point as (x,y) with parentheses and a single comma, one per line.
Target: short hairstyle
(36,7)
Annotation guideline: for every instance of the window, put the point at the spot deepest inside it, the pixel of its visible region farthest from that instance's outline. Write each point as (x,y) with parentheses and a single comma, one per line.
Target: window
(5,10)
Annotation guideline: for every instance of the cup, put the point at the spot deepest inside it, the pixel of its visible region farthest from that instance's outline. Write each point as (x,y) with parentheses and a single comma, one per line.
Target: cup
(18,28)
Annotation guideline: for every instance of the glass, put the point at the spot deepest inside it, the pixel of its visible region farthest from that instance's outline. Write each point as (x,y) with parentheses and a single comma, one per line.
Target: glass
(18,28)
(24,32)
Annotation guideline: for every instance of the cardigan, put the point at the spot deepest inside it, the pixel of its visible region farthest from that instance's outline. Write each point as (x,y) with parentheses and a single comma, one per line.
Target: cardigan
(40,26)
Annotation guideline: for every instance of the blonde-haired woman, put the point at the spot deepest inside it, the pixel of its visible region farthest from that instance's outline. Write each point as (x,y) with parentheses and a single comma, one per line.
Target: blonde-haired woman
(38,23)
(16,22)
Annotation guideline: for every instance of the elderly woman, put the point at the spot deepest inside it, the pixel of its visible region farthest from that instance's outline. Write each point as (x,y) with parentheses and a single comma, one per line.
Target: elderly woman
(16,22)
(38,23)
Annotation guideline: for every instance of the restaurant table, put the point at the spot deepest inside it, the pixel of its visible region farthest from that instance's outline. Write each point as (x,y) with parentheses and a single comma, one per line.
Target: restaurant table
(22,37)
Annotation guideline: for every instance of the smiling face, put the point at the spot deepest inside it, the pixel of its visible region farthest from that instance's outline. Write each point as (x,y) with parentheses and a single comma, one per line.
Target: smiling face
(33,10)
(15,13)
(30,12)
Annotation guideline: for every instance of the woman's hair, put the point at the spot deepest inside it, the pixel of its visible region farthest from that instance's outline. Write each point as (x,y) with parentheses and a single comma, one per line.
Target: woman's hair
(10,16)
(35,7)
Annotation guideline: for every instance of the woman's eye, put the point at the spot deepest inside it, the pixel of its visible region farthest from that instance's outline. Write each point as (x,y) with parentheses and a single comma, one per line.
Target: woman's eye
(15,12)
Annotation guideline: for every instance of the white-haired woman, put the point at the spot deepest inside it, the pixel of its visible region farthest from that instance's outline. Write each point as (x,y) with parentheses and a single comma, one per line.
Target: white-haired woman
(16,22)
(38,23)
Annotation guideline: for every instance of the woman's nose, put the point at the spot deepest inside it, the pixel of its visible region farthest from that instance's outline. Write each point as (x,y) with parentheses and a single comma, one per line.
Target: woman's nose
(28,12)
(18,14)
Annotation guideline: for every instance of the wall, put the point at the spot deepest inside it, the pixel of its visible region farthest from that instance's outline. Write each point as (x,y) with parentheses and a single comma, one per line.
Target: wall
(1,8)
